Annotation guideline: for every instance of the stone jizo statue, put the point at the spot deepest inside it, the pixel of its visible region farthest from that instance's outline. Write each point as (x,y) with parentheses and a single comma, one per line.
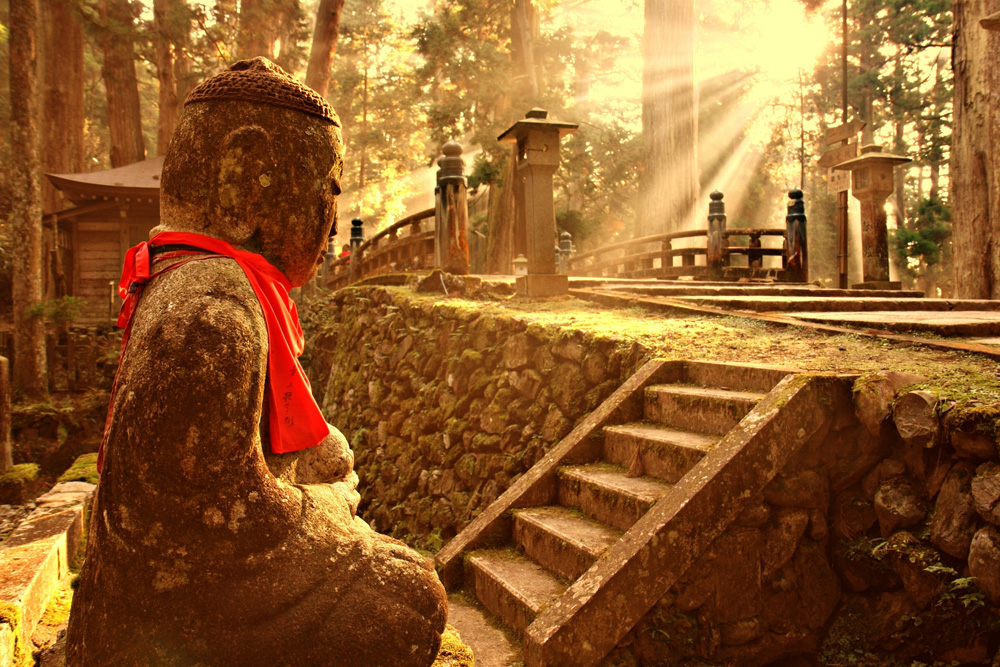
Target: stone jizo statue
(207,547)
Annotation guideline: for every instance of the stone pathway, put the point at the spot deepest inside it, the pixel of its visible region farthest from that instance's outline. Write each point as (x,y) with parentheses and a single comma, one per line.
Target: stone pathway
(490,645)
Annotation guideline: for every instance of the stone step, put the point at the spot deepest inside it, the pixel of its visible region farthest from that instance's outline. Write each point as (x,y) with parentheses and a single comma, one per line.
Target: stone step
(603,492)
(739,377)
(510,586)
(700,409)
(665,452)
(562,540)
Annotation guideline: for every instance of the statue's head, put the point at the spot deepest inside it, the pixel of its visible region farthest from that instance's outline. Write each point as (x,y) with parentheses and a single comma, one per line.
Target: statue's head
(256,160)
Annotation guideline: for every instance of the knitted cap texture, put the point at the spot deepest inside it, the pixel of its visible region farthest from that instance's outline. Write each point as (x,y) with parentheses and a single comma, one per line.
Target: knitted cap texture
(260,80)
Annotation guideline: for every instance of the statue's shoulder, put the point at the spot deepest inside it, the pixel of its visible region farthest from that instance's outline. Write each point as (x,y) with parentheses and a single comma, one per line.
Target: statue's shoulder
(209,294)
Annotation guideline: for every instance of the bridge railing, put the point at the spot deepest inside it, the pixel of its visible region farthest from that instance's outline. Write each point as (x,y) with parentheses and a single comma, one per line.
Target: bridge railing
(436,237)
(660,255)
(407,245)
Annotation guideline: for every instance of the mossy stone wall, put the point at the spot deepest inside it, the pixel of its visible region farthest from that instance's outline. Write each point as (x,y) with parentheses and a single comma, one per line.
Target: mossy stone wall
(444,405)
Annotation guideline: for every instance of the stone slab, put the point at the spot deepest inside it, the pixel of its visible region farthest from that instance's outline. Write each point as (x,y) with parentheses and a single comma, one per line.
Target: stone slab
(512,587)
(952,323)
(542,285)
(562,540)
(780,303)
(37,555)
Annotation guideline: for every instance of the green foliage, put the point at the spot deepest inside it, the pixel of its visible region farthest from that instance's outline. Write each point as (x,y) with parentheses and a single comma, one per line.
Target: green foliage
(59,311)
(924,242)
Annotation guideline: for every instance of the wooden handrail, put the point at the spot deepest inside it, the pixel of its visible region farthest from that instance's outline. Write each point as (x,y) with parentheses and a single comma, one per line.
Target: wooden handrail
(394,228)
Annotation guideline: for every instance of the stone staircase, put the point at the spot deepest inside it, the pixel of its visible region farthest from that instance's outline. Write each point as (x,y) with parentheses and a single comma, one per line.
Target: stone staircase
(574,553)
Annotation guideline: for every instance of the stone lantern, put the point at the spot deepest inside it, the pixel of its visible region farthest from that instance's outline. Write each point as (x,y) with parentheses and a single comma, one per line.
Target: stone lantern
(871,184)
(537,159)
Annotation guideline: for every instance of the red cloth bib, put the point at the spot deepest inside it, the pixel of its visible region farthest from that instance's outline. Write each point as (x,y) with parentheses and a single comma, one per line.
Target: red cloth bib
(296,421)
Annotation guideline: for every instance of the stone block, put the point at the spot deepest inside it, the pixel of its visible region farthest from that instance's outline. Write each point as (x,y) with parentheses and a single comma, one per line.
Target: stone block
(542,285)
(986,492)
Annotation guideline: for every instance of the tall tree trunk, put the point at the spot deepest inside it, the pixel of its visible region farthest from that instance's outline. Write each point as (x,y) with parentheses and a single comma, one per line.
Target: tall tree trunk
(120,83)
(165,73)
(899,176)
(500,222)
(62,101)
(26,210)
(324,45)
(974,161)
(258,29)
(524,28)
(669,183)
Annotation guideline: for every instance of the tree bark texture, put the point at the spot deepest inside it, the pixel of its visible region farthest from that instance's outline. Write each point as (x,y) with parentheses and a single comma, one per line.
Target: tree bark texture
(524,29)
(258,29)
(500,222)
(62,101)
(26,209)
(975,163)
(324,45)
(169,103)
(669,183)
(120,83)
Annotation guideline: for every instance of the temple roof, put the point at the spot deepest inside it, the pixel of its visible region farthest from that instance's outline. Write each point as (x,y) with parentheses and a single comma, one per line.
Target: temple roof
(141,179)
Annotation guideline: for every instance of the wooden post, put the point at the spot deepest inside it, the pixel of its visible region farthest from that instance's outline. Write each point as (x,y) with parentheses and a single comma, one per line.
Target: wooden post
(715,249)
(537,160)
(6,448)
(796,255)
(451,231)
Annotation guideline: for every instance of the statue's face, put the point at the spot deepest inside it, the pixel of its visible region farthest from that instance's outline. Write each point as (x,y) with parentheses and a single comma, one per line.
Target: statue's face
(295,237)
(263,178)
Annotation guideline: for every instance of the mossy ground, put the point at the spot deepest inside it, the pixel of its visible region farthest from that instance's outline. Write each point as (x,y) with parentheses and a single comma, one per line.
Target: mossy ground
(20,474)
(958,376)
(453,652)
(84,469)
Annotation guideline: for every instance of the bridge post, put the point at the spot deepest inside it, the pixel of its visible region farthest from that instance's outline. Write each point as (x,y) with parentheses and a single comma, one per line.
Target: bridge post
(715,250)
(357,238)
(795,258)
(537,159)
(451,224)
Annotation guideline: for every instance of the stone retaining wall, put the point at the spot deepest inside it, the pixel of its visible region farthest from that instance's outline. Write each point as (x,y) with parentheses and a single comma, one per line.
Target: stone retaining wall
(444,406)
(879,544)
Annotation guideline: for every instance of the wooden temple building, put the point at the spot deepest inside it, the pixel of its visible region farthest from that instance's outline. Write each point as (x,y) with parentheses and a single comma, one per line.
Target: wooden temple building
(110,211)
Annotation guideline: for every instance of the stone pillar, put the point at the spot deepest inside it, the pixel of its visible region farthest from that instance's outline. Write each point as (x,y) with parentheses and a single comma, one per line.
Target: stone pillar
(451,231)
(871,184)
(796,258)
(357,238)
(715,249)
(537,160)
(6,447)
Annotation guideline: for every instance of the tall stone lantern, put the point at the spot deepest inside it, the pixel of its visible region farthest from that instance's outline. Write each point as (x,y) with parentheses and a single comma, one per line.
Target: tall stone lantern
(538,143)
(871,184)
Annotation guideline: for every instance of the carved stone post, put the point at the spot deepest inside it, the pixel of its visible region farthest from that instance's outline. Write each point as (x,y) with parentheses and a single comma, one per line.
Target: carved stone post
(451,234)
(715,250)
(357,238)
(871,184)
(565,252)
(537,160)
(796,256)
(6,451)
